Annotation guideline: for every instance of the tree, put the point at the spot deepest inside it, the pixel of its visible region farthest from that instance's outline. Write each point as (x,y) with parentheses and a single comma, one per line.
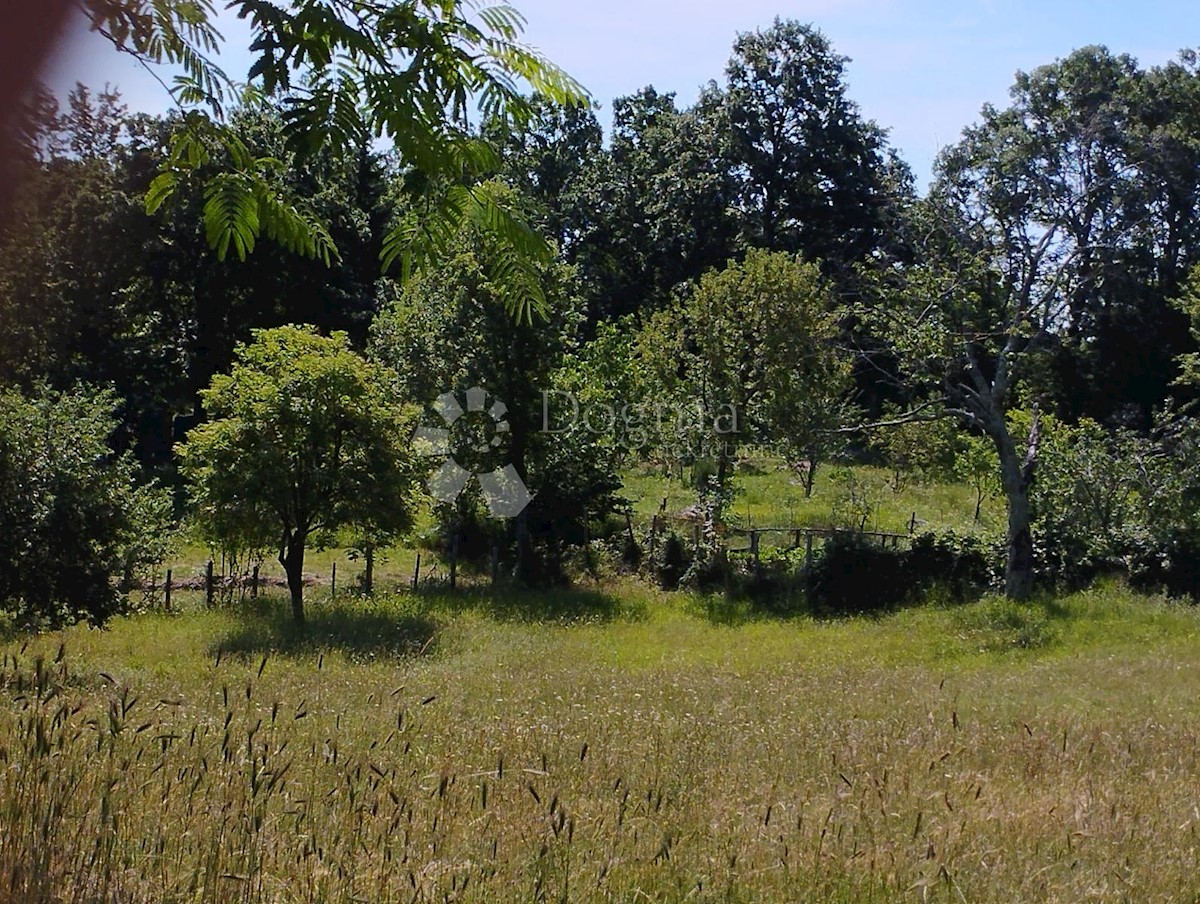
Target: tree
(1111,154)
(305,437)
(77,524)
(446,332)
(345,72)
(636,219)
(975,465)
(545,160)
(753,347)
(1022,236)
(812,172)
(92,289)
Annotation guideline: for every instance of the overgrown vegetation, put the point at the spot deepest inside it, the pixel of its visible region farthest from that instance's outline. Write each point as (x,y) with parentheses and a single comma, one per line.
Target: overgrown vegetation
(455,748)
(780,524)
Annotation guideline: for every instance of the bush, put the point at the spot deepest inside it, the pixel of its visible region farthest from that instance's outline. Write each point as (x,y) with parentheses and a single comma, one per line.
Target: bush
(1169,564)
(961,564)
(856,575)
(73,517)
(671,561)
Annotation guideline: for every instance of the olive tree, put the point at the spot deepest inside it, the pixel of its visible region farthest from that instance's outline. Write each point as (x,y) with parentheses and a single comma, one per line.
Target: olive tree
(304,437)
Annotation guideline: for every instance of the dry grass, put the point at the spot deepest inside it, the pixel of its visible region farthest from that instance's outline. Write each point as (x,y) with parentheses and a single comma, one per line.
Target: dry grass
(463,749)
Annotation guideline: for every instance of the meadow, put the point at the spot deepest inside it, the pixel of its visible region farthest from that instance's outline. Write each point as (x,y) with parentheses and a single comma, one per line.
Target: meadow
(611,742)
(610,745)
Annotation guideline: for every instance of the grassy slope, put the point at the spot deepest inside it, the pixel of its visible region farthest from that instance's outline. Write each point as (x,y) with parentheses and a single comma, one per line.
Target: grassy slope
(632,748)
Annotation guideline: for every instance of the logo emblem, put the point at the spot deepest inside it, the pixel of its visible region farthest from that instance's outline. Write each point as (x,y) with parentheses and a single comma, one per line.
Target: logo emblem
(471,434)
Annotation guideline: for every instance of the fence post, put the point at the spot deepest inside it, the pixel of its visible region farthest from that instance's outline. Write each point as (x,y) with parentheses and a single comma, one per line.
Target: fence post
(167,591)
(912,524)
(333,582)
(208,584)
(417,571)
(254,583)
(808,578)
(454,561)
(754,548)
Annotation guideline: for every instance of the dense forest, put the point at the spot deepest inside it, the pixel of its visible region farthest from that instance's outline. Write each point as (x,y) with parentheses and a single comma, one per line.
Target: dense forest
(762,256)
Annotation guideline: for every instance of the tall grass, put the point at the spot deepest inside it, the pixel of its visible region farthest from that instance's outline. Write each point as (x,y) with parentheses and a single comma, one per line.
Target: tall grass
(461,748)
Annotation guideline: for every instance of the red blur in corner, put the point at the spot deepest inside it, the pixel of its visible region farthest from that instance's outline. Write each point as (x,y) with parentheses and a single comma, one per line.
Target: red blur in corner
(29,31)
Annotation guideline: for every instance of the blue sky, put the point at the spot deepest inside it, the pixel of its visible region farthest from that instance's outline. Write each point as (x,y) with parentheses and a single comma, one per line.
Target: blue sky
(920,68)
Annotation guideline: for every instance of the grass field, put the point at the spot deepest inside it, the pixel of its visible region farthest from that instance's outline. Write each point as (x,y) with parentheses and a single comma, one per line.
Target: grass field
(618,745)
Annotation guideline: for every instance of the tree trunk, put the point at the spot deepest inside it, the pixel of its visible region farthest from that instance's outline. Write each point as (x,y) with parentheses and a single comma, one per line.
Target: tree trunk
(810,477)
(1016,478)
(369,578)
(292,560)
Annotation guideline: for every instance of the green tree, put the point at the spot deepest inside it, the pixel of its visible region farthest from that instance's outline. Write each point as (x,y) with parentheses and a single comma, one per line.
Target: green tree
(446,331)
(754,348)
(1106,154)
(1033,223)
(92,289)
(639,217)
(344,72)
(975,464)
(305,437)
(813,173)
(77,524)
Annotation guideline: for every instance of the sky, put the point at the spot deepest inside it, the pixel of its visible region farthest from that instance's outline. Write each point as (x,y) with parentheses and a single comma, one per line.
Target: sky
(920,68)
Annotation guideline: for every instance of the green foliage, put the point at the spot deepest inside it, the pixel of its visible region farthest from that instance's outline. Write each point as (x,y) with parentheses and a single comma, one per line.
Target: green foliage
(1084,496)
(346,74)
(93,290)
(304,437)
(1116,501)
(752,349)
(920,450)
(857,498)
(446,332)
(74,519)
(672,559)
(796,141)
(1188,303)
(855,574)
(975,464)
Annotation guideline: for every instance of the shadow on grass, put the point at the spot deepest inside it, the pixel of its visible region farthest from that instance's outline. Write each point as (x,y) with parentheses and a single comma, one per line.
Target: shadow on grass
(557,605)
(360,628)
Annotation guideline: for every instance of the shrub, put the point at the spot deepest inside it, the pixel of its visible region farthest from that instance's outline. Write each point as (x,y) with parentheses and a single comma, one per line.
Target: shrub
(74,517)
(855,575)
(671,562)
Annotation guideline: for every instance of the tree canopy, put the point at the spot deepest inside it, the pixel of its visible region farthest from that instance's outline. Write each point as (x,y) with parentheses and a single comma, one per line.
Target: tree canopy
(345,73)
